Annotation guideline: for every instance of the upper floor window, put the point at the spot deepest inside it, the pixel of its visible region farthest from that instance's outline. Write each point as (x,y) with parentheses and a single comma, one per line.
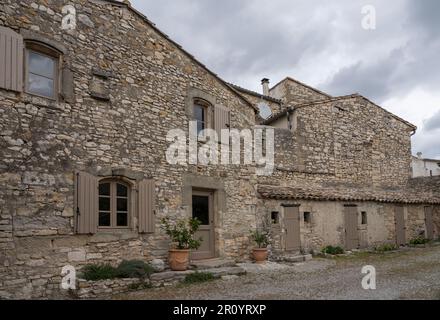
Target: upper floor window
(113,204)
(201,115)
(41,70)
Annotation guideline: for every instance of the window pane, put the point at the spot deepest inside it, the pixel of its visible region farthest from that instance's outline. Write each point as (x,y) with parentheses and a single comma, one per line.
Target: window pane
(122,204)
(104,204)
(122,190)
(201,209)
(104,219)
(122,219)
(40,85)
(200,126)
(104,189)
(41,65)
(199,113)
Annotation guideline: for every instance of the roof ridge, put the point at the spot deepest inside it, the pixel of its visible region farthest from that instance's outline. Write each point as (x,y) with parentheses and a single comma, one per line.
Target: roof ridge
(237,87)
(301,83)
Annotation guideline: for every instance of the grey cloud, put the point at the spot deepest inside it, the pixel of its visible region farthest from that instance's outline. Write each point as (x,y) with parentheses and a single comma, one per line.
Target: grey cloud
(433,123)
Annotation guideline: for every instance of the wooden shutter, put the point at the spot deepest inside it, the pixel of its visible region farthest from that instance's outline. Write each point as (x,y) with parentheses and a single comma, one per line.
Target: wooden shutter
(11,60)
(86,198)
(221,119)
(146,205)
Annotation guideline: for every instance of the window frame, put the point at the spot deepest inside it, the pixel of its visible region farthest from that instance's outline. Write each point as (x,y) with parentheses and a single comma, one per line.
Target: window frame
(49,52)
(206,107)
(113,205)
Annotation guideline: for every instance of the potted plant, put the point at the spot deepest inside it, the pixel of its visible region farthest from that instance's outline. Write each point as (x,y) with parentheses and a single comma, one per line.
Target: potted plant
(262,240)
(182,235)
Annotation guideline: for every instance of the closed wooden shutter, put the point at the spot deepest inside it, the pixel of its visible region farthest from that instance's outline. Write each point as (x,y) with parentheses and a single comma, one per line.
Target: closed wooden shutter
(11,60)
(146,205)
(221,119)
(86,197)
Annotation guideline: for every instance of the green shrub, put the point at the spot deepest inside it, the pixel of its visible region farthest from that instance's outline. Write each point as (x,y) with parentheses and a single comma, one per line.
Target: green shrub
(418,240)
(126,269)
(386,247)
(182,232)
(134,269)
(98,272)
(260,238)
(332,250)
(198,277)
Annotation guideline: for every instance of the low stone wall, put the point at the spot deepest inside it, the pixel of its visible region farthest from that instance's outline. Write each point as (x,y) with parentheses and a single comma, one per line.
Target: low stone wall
(103,288)
(106,288)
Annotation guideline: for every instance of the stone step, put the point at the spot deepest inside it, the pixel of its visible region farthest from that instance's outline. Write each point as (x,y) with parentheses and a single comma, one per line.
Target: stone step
(212,263)
(292,258)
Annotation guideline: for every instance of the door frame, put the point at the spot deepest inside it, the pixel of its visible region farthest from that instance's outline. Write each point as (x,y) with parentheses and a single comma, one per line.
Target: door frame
(195,255)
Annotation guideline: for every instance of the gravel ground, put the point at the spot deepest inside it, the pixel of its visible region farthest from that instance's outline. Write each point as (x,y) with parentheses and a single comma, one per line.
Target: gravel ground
(407,274)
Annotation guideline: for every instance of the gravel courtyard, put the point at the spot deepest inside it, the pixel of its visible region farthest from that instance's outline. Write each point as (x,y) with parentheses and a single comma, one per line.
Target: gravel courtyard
(408,274)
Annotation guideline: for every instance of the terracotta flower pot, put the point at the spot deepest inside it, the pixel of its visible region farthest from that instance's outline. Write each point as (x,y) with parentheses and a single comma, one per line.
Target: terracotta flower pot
(260,255)
(178,259)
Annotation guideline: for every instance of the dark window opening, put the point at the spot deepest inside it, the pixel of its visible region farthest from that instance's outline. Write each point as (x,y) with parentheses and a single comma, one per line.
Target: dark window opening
(200,208)
(275,217)
(307,217)
(364,217)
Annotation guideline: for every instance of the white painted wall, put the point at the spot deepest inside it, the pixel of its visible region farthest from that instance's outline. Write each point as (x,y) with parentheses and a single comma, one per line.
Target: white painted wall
(425,167)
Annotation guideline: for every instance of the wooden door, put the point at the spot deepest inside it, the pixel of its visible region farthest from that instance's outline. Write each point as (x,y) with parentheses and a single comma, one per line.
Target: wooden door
(399,218)
(351,227)
(429,223)
(203,209)
(292,226)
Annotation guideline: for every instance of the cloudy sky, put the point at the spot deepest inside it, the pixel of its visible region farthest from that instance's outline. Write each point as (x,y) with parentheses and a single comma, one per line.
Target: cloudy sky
(322,43)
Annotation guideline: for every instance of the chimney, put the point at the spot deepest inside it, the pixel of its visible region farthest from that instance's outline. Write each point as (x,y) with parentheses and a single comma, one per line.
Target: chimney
(265,83)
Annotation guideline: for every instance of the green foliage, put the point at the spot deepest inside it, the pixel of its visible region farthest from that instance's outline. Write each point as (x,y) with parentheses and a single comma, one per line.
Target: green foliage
(418,240)
(385,247)
(126,269)
(96,272)
(198,277)
(182,232)
(260,238)
(134,269)
(332,250)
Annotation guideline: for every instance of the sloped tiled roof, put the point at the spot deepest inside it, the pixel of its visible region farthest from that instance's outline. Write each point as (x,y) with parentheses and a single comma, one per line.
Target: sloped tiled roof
(407,196)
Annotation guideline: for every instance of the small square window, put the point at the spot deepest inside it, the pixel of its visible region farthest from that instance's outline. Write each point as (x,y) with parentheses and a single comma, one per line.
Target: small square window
(364,217)
(275,217)
(307,217)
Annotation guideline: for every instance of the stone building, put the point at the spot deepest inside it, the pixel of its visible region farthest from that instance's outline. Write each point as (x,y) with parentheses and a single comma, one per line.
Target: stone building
(89,91)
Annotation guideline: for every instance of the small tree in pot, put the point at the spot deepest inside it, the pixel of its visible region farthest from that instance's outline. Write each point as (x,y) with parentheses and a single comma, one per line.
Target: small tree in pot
(182,235)
(262,240)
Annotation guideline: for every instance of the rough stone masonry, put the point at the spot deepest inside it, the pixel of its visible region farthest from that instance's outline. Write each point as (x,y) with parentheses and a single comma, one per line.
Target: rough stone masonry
(119,85)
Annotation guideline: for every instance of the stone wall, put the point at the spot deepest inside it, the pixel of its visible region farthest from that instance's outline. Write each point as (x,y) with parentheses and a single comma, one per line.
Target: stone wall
(346,142)
(293,92)
(327,225)
(117,121)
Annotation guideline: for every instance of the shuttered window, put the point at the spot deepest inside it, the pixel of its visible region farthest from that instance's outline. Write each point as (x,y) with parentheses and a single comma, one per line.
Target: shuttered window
(86,198)
(11,60)
(221,118)
(110,204)
(146,205)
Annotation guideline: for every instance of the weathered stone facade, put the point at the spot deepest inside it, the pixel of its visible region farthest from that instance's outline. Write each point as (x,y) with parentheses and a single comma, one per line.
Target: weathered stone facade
(124,86)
